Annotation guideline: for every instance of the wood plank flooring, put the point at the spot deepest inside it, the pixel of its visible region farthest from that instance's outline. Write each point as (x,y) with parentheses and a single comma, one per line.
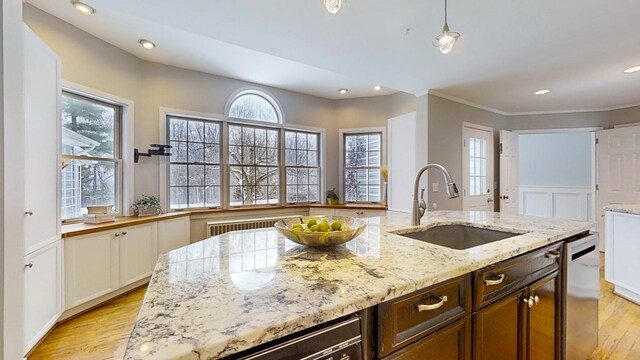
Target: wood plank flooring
(103,332)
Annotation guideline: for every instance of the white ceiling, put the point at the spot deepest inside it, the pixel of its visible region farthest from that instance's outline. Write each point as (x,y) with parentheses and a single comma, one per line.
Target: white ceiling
(508,49)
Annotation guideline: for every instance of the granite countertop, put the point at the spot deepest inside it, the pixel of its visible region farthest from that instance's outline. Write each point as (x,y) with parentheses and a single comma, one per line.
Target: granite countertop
(230,293)
(624,208)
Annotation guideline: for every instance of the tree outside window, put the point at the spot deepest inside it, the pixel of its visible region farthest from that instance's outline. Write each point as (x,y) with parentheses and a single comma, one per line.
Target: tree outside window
(362,162)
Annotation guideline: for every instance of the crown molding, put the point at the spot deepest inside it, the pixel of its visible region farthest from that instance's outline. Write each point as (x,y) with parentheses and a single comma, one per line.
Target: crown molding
(465,102)
(504,113)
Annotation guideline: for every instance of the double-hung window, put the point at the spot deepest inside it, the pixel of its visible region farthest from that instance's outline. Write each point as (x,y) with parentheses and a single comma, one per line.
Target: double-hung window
(254,159)
(194,166)
(362,163)
(249,159)
(91,156)
(302,160)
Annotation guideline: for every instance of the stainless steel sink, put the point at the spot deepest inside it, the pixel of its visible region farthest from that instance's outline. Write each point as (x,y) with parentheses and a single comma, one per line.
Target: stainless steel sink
(459,237)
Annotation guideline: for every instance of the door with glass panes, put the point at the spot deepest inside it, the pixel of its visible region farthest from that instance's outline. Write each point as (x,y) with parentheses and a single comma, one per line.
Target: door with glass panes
(477,168)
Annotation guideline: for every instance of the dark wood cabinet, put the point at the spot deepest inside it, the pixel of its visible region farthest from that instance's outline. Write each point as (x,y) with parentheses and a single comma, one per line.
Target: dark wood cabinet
(543,340)
(450,343)
(498,329)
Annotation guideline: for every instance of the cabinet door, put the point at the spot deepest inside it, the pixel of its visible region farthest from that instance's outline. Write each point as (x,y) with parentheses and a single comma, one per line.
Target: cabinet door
(544,319)
(91,267)
(173,233)
(499,329)
(451,343)
(42,123)
(138,252)
(42,292)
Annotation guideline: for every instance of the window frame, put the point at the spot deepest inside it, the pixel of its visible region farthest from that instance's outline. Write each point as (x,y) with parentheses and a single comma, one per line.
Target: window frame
(219,164)
(72,90)
(319,167)
(343,133)
(165,113)
(259,92)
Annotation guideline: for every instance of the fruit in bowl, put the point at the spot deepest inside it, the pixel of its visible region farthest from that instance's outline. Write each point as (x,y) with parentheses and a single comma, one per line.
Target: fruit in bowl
(321,231)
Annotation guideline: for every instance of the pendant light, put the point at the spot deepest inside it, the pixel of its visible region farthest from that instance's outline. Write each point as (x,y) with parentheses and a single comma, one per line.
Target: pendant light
(447,39)
(332,6)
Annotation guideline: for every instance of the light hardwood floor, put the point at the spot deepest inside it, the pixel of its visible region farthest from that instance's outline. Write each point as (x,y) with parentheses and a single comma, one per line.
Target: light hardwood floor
(103,332)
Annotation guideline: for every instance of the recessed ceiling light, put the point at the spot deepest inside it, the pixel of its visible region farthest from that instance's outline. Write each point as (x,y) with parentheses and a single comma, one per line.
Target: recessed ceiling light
(83,8)
(377,87)
(542,92)
(632,69)
(343,91)
(147,44)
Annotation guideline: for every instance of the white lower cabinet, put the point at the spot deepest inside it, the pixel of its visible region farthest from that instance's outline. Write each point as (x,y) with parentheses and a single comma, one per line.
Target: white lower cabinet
(319,211)
(138,252)
(91,267)
(622,247)
(42,292)
(98,265)
(173,234)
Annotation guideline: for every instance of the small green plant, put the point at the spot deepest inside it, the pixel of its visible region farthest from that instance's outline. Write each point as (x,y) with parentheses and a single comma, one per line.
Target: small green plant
(147,202)
(332,197)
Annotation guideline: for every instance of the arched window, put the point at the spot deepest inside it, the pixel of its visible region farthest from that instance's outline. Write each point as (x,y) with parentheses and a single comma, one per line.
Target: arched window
(254,105)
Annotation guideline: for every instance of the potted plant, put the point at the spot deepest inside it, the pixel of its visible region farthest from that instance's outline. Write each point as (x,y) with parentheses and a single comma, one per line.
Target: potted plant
(147,206)
(332,197)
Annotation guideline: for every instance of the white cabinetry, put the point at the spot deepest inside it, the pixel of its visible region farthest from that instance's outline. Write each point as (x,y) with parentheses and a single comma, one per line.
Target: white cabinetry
(358,213)
(138,252)
(173,233)
(43,257)
(43,292)
(99,266)
(622,247)
(90,267)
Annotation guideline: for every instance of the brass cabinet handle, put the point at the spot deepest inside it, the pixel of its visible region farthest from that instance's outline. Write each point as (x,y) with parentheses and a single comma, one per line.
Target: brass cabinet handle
(443,299)
(553,255)
(498,281)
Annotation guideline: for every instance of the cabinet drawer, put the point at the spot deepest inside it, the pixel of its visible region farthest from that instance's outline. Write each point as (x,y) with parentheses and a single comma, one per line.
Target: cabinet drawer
(451,343)
(498,280)
(408,318)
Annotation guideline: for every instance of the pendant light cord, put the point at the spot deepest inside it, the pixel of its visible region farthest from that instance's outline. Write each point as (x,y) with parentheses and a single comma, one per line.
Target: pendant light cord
(445,12)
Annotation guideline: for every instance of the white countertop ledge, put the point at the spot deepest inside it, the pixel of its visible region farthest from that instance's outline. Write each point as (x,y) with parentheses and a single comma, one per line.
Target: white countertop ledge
(624,208)
(232,292)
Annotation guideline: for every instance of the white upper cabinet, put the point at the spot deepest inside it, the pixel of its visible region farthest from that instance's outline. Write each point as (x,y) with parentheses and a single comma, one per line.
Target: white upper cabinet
(42,132)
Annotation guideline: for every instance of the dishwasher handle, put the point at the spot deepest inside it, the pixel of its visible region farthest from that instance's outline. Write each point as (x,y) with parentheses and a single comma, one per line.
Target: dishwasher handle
(582,252)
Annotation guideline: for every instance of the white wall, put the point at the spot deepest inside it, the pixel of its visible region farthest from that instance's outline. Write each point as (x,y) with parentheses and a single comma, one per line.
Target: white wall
(556,159)
(13,181)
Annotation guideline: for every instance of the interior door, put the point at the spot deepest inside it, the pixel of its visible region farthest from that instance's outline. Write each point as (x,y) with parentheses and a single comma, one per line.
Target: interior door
(509,172)
(477,168)
(618,170)
(402,162)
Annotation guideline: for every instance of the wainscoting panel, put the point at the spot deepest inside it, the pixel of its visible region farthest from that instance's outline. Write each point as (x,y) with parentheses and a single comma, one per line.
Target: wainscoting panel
(573,203)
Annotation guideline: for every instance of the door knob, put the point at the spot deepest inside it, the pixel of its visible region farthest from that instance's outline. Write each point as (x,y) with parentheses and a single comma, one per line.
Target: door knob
(529,301)
(489,201)
(29,265)
(536,299)
(504,197)
(30,213)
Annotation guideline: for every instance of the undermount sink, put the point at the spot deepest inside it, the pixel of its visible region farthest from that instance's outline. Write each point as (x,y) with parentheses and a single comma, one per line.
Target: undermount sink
(459,237)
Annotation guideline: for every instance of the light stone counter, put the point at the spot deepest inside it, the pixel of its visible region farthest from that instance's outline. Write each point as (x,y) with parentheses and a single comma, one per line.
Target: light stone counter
(633,209)
(230,293)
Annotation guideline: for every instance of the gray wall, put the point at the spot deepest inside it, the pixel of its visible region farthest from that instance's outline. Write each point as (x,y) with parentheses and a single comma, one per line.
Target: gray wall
(604,119)
(445,143)
(94,63)
(624,116)
(556,159)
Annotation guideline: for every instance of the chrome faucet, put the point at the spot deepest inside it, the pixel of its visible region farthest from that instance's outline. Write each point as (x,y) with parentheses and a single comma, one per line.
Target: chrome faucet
(420,206)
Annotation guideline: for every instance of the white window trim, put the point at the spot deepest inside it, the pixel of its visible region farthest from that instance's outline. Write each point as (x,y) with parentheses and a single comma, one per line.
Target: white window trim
(126,133)
(224,190)
(383,154)
(260,92)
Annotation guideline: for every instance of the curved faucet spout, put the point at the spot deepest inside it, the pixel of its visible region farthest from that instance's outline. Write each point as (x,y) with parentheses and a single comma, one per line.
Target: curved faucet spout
(419,205)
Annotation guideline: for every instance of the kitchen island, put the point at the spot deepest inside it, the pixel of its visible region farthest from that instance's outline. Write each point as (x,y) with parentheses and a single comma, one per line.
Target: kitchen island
(233,292)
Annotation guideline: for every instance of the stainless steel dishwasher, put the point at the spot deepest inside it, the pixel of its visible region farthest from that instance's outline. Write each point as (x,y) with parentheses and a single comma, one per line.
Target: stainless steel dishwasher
(580,301)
